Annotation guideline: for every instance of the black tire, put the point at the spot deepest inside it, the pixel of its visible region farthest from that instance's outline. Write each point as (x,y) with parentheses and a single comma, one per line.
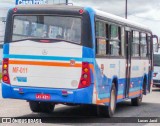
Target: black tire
(44,107)
(144,90)
(34,106)
(108,111)
(136,101)
(47,107)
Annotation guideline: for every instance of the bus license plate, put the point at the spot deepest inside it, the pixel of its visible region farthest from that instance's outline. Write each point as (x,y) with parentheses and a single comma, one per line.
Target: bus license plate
(43,96)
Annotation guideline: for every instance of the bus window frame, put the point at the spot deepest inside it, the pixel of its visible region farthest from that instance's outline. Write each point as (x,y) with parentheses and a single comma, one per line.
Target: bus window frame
(141,31)
(100,37)
(119,41)
(146,57)
(135,57)
(108,22)
(149,35)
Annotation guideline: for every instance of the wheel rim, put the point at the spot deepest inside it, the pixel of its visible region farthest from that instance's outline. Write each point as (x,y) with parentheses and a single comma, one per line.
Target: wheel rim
(112,102)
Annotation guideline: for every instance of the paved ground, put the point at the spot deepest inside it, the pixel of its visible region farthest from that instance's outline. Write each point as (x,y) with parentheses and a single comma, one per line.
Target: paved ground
(149,108)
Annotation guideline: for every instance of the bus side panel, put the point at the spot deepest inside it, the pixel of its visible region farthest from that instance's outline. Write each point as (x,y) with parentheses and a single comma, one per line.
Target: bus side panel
(139,70)
(105,71)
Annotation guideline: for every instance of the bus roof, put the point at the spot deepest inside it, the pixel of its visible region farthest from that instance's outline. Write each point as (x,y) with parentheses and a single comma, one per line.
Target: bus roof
(51,7)
(120,19)
(97,12)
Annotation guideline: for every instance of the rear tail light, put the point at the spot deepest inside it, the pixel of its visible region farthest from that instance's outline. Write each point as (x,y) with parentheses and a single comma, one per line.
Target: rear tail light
(85,76)
(5,78)
(85,80)
(5,75)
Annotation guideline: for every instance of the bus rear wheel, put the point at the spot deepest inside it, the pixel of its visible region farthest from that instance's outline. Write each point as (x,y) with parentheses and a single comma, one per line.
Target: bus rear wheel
(108,111)
(137,101)
(47,107)
(44,107)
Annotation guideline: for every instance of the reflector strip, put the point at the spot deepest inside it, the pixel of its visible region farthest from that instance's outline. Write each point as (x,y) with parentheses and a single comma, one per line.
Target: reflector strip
(119,96)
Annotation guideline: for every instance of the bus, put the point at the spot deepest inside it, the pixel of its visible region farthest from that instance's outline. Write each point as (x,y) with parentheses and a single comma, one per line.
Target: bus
(56,54)
(156,73)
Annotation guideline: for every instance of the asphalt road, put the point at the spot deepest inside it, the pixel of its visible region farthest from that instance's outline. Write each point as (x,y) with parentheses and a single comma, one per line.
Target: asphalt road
(149,108)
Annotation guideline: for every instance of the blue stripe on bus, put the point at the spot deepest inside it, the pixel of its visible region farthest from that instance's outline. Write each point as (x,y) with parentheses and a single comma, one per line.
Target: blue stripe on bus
(120,92)
(134,89)
(47,58)
(106,95)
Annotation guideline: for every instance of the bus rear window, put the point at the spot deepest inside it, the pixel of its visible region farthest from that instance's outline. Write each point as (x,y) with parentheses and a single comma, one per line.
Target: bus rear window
(47,27)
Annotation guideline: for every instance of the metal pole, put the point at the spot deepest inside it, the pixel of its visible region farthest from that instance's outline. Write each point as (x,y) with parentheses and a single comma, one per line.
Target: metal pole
(66,2)
(126,10)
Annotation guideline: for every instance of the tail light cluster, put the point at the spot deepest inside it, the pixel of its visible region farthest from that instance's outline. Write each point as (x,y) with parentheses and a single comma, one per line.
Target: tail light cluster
(5,75)
(85,80)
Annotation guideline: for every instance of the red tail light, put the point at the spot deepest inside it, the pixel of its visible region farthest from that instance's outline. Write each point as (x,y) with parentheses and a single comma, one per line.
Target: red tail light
(85,80)
(5,75)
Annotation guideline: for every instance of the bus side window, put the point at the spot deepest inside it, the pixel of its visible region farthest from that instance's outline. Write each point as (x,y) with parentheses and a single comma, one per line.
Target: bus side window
(143,45)
(122,42)
(101,36)
(115,40)
(149,45)
(135,44)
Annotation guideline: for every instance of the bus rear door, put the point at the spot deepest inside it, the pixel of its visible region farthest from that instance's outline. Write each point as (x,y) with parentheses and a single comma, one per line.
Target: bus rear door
(128,61)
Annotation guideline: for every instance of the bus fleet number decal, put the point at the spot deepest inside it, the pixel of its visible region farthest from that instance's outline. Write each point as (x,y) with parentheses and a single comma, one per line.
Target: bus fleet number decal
(20,70)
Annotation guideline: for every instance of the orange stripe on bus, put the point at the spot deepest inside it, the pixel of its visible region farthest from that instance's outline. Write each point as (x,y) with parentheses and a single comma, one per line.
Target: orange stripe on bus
(135,93)
(39,63)
(103,100)
(92,67)
(107,99)
(119,96)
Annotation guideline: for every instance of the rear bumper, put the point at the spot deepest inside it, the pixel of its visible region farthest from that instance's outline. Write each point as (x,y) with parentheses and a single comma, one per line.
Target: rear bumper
(76,96)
